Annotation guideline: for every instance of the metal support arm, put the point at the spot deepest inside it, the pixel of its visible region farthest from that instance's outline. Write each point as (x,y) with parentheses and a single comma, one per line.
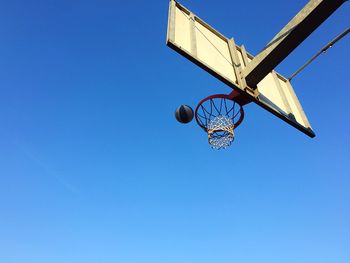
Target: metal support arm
(295,32)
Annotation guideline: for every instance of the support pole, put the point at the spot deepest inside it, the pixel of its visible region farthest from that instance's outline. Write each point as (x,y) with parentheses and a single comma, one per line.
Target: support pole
(295,32)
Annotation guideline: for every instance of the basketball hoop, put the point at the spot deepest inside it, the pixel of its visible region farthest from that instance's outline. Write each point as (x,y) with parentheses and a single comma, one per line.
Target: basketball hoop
(219,115)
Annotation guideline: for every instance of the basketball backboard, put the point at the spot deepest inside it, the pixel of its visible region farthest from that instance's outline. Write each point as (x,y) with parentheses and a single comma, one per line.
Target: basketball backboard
(221,57)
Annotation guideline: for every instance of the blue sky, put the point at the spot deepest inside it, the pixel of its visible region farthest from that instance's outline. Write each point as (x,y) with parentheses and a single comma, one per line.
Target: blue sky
(95,168)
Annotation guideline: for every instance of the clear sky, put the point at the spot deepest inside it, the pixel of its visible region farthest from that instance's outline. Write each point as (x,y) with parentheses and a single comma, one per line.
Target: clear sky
(95,168)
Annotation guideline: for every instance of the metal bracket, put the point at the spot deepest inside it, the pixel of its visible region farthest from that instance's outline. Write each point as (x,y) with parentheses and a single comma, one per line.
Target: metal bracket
(253,92)
(238,68)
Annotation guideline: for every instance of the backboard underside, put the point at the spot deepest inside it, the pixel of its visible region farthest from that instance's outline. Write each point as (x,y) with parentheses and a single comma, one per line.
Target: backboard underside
(193,38)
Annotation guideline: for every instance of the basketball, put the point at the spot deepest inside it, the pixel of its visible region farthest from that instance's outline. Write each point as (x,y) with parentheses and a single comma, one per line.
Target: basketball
(184,114)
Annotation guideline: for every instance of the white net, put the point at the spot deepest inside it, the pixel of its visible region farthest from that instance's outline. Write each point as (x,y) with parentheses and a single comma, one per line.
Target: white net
(220,132)
(218,116)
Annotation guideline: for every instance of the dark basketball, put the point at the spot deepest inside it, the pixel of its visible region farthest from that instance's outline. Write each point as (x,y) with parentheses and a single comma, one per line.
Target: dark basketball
(184,114)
